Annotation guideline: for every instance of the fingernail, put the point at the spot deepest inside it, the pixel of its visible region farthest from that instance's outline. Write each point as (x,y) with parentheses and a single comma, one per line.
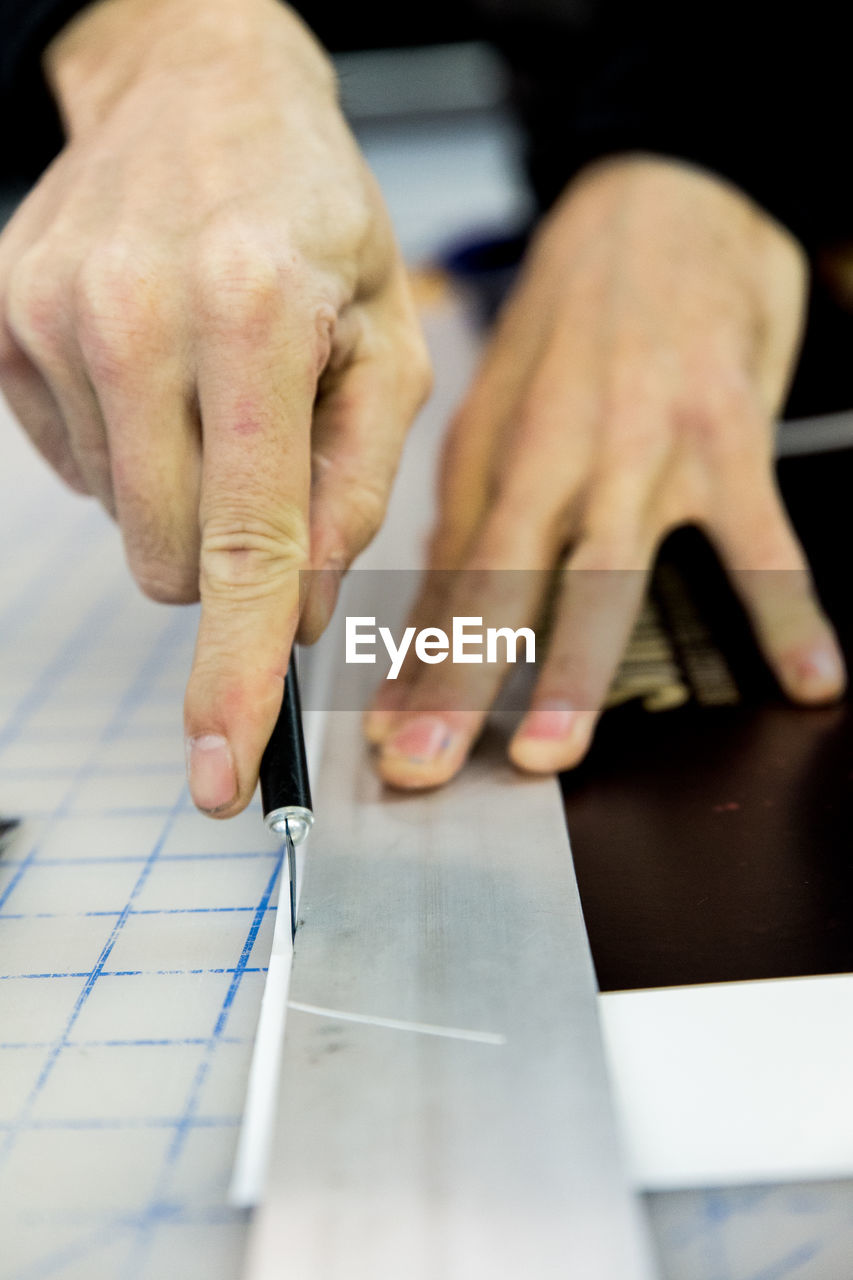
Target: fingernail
(820,671)
(420,740)
(554,721)
(210,769)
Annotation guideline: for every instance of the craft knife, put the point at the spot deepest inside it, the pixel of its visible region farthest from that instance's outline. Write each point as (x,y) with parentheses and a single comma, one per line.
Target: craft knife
(285,790)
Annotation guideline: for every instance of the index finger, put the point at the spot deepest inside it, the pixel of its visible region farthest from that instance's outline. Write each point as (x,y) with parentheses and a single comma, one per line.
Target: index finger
(257,376)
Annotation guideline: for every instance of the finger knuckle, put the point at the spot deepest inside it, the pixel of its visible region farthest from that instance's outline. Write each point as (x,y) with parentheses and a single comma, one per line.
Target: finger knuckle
(164,565)
(105,279)
(35,304)
(238,280)
(116,305)
(704,431)
(247,557)
(720,418)
(164,582)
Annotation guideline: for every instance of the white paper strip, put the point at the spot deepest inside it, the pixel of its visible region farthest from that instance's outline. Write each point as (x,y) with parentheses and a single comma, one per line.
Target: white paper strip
(740,1082)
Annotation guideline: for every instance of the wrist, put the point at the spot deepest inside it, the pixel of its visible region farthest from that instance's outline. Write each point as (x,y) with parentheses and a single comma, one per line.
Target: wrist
(113,45)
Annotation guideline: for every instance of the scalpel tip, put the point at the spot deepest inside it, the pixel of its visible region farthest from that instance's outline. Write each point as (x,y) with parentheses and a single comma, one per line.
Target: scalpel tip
(290,854)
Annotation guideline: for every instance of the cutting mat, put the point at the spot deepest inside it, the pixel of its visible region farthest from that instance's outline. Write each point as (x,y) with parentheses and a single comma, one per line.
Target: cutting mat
(133,932)
(134,936)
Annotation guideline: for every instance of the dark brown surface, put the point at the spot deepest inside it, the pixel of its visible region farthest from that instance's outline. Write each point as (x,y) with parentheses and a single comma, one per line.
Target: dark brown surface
(714,843)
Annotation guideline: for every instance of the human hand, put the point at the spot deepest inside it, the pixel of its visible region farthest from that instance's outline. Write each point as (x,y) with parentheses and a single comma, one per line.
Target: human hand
(631,386)
(205,323)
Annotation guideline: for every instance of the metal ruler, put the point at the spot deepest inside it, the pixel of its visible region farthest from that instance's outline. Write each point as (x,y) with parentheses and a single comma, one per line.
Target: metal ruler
(442,1108)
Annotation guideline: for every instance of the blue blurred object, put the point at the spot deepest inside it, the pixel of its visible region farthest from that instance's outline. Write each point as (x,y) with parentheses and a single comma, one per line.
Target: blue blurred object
(486,268)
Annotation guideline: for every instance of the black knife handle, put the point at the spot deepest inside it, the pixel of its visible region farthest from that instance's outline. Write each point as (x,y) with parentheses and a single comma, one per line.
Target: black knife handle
(284,767)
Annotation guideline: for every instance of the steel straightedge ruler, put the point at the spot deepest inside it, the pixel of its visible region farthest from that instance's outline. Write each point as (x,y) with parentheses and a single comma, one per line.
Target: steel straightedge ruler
(443,1109)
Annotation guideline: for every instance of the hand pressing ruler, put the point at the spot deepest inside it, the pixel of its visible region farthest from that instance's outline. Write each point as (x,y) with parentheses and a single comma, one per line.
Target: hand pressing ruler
(442,1104)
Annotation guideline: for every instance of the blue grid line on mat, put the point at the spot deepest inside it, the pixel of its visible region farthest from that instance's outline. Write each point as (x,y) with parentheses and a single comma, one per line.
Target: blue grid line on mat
(135,693)
(199,1114)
